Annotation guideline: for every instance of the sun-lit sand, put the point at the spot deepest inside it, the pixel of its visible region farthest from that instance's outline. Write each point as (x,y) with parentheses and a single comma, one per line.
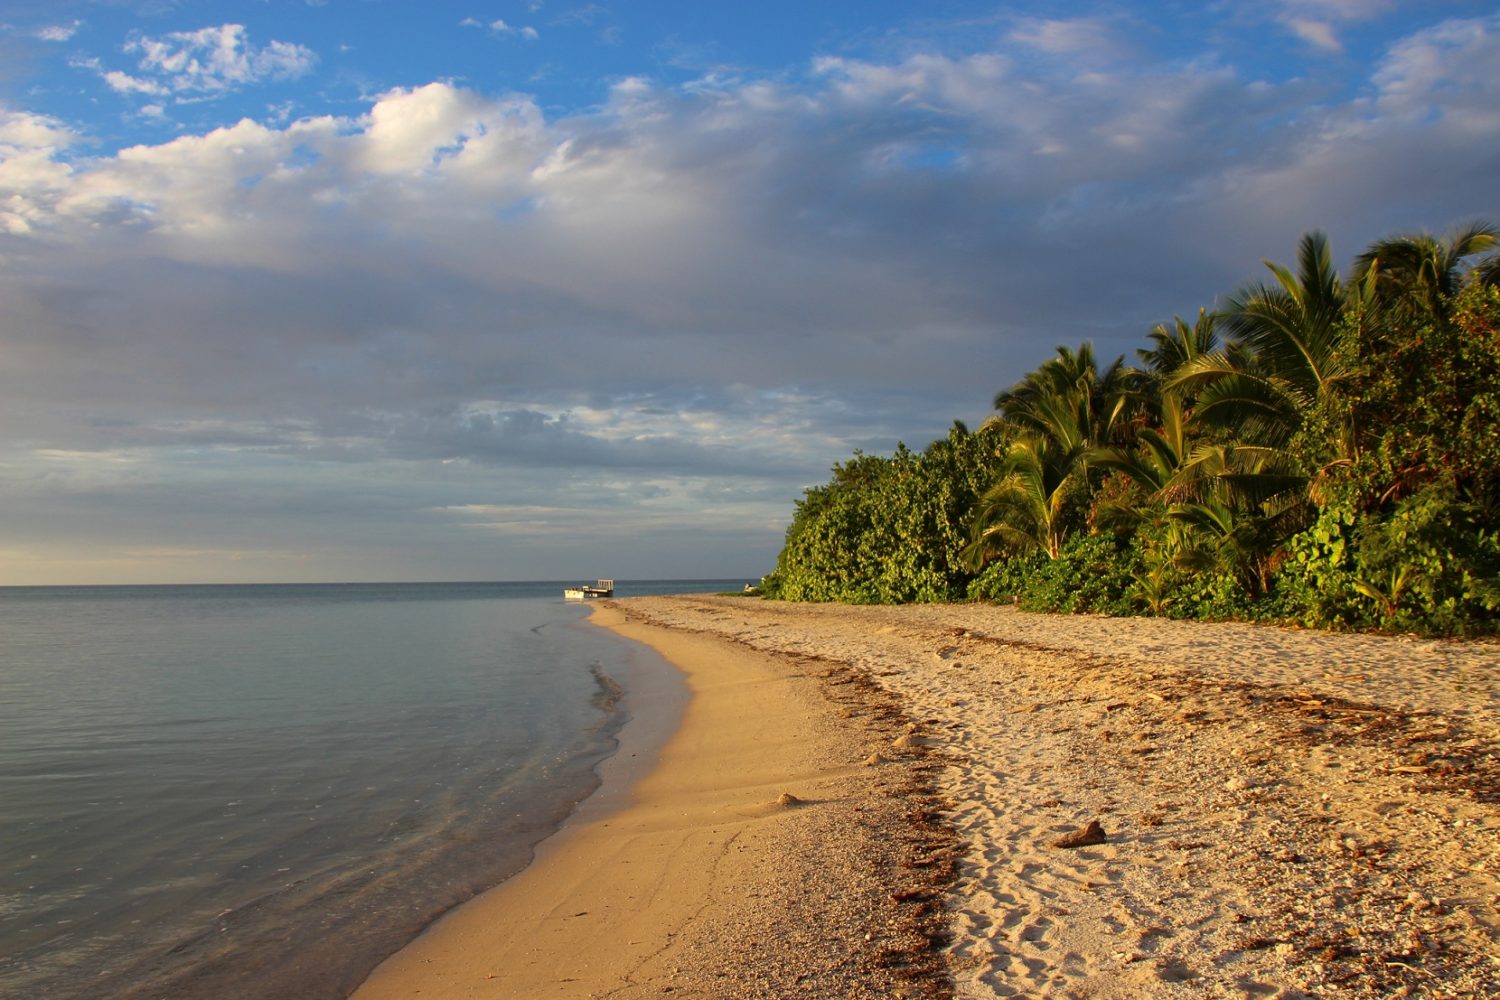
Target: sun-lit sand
(750,860)
(1284,814)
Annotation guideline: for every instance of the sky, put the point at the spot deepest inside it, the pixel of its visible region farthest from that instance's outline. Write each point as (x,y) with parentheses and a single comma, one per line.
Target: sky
(375,290)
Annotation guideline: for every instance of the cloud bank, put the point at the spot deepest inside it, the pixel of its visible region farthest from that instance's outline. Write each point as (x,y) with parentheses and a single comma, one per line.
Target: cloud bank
(683,304)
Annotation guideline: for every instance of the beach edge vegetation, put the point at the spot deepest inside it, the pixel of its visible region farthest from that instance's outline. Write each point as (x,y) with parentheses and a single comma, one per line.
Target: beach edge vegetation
(1319,451)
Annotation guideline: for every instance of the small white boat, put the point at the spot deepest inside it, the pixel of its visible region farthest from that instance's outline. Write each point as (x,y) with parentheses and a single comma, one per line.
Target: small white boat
(604,588)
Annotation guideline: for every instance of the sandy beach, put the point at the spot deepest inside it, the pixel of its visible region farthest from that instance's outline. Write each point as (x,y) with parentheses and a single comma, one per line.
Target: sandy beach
(756,854)
(878,801)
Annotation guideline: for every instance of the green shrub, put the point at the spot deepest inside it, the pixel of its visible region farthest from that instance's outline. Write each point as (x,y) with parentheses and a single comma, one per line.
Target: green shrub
(1004,580)
(1091,573)
(888,530)
(1432,566)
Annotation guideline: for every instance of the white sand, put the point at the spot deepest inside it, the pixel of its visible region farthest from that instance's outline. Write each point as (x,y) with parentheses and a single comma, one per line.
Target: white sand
(1289,813)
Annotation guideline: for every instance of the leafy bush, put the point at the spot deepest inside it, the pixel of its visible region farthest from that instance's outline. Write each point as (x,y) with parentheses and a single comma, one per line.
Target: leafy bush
(888,530)
(1428,407)
(1006,579)
(1091,573)
(1216,596)
(1431,566)
(1316,583)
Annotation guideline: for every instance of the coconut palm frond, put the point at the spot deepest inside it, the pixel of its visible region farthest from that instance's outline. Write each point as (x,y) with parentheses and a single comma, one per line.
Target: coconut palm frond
(1026,507)
(1420,272)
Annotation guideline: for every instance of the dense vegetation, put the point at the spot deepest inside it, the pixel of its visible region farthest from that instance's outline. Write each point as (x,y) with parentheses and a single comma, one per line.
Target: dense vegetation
(1319,450)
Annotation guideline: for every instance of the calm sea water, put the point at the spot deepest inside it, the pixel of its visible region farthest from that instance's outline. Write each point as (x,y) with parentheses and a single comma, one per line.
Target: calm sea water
(236,791)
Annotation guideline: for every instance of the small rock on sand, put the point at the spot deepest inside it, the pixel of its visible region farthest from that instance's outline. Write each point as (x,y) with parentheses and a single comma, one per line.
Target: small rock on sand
(1091,834)
(788,799)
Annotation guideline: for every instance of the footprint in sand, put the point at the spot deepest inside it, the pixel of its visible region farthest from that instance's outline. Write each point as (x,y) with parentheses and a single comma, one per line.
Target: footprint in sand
(1174,972)
(1036,934)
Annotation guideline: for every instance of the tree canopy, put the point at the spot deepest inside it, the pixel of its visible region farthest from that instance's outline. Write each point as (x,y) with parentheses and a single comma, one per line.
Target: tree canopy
(1317,450)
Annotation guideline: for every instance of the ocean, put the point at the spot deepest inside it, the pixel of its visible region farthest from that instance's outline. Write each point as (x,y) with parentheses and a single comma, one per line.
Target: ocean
(259,791)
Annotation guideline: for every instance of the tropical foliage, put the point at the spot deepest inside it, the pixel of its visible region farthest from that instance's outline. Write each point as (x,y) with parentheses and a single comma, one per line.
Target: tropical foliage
(1318,450)
(888,530)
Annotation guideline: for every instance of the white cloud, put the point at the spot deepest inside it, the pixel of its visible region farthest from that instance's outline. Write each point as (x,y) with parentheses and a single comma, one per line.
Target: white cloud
(1087,37)
(711,178)
(124,83)
(59,32)
(1316,21)
(1316,33)
(217,59)
(500,27)
(31,174)
(21,130)
(678,169)
(1425,75)
(413,131)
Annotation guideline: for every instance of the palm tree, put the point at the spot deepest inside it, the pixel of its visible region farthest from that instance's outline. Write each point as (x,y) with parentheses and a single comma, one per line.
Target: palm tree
(1063,411)
(1222,505)
(1419,272)
(1160,454)
(1289,337)
(1069,398)
(1174,345)
(1027,508)
(1487,271)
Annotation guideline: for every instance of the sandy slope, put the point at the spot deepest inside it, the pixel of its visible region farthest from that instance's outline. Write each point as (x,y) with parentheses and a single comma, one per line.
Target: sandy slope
(1288,813)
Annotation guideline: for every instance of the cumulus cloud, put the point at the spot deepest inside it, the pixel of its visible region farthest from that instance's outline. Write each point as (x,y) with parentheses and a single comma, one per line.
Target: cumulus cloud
(209,61)
(31,146)
(717,221)
(21,131)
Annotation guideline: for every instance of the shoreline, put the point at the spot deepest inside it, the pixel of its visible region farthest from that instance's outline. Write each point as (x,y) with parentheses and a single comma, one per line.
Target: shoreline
(374,773)
(1285,814)
(750,852)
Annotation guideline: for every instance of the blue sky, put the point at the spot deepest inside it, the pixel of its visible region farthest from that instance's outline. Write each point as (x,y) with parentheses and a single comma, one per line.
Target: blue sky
(363,290)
